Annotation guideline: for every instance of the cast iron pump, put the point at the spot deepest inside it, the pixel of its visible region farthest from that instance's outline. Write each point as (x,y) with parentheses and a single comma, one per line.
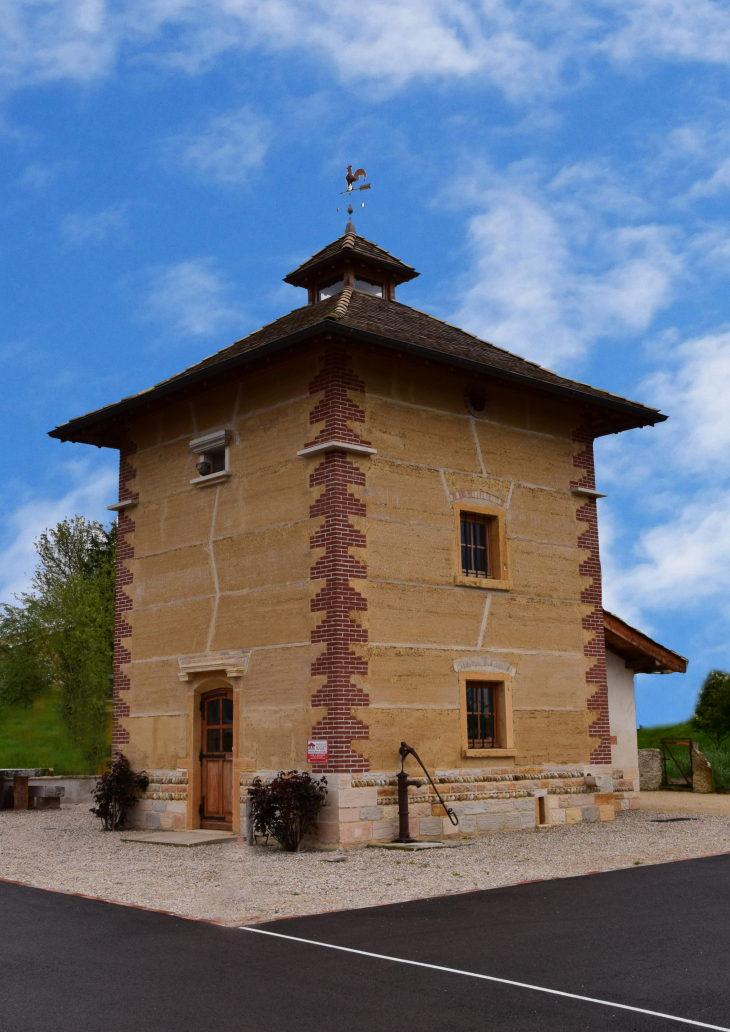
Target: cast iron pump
(404,783)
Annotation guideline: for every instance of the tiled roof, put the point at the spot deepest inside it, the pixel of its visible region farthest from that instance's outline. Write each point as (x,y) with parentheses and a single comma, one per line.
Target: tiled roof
(390,324)
(355,245)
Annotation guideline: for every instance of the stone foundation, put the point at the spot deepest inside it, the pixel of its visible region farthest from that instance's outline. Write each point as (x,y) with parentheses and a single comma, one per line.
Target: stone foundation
(363,808)
(163,807)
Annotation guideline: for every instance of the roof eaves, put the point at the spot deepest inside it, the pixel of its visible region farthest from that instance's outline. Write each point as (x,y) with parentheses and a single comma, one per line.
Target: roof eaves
(195,374)
(609,401)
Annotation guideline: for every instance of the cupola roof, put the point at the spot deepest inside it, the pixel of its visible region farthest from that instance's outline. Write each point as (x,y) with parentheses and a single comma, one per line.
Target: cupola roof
(350,249)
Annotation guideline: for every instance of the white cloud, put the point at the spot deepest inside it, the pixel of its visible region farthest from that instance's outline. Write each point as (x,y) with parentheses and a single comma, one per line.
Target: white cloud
(94,491)
(683,558)
(385,42)
(38,175)
(534,289)
(79,227)
(679,564)
(191,297)
(688,30)
(697,392)
(717,183)
(229,147)
(522,49)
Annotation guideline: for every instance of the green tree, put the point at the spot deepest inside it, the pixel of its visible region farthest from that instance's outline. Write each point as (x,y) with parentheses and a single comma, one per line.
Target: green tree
(62,633)
(712,712)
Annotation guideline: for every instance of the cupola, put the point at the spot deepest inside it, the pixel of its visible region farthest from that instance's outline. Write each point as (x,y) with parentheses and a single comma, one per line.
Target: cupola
(351,261)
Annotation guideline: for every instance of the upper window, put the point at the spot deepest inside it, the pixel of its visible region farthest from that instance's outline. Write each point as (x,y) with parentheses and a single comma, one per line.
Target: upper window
(476,558)
(212,454)
(369,286)
(481,716)
(330,289)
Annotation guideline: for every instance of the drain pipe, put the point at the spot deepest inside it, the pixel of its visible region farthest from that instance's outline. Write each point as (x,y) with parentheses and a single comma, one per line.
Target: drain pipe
(404,783)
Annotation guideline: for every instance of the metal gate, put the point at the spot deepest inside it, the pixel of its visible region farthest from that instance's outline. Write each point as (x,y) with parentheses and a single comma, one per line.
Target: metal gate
(676,767)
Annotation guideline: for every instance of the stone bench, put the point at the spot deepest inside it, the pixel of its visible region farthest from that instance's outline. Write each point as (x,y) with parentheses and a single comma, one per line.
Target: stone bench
(45,797)
(20,791)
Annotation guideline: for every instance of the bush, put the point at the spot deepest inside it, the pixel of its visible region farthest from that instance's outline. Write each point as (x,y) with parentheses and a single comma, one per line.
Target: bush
(116,792)
(287,807)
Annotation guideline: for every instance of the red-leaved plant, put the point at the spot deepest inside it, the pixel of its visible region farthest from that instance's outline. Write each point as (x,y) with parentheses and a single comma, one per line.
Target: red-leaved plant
(116,792)
(287,807)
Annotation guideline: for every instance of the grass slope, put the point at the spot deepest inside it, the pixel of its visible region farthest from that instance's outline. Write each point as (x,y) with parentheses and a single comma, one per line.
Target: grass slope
(37,737)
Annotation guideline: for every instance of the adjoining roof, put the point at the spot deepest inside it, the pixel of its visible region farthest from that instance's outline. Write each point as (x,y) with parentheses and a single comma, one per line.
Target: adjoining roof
(639,652)
(351,246)
(373,321)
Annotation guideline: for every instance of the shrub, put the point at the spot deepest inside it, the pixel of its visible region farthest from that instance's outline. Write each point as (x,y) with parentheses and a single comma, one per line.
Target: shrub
(116,792)
(287,807)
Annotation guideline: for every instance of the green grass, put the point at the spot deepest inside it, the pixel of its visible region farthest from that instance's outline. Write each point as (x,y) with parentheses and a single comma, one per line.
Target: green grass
(650,738)
(37,737)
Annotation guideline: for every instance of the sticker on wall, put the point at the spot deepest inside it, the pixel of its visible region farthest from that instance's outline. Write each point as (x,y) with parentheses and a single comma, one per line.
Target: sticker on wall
(317,750)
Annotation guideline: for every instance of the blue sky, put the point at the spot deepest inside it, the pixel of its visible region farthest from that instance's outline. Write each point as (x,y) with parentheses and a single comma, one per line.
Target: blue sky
(559,173)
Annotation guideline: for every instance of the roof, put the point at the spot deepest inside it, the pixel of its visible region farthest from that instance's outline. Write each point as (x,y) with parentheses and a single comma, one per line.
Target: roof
(638,650)
(347,246)
(369,320)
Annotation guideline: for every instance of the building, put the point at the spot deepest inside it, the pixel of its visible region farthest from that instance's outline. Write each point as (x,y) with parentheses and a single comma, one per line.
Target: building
(360,525)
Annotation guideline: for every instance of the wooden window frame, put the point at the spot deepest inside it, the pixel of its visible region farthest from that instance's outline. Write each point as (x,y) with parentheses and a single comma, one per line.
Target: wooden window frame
(502,686)
(497,532)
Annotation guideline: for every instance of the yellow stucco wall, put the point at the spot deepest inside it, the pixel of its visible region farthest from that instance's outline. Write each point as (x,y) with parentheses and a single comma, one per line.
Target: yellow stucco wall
(227,566)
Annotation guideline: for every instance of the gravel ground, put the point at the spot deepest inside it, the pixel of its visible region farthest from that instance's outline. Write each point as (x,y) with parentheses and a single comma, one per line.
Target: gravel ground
(234,883)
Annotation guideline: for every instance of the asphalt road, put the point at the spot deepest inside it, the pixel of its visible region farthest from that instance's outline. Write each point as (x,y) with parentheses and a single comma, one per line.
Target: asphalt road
(650,937)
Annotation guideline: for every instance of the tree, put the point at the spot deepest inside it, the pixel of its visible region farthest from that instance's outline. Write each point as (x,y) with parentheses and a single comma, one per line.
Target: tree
(712,712)
(62,634)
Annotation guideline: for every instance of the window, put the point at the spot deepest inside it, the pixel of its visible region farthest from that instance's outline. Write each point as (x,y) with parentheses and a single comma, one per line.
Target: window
(476,559)
(480,543)
(330,289)
(481,716)
(369,286)
(211,452)
(212,462)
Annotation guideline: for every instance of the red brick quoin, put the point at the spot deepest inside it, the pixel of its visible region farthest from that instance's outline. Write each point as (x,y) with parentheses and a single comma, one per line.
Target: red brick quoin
(593,622)
(122,601)
(337,567)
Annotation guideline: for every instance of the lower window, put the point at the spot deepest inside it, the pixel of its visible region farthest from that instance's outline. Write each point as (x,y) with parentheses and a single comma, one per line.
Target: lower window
(481,715)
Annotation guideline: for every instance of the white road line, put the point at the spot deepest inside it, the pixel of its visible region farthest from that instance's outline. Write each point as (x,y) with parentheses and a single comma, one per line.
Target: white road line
(489,978)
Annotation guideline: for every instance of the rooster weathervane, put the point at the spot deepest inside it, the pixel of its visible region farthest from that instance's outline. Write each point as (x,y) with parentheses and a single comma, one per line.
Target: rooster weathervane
(351,178)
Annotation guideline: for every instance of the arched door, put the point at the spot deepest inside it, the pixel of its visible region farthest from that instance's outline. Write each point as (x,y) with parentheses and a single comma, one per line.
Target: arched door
(216,759)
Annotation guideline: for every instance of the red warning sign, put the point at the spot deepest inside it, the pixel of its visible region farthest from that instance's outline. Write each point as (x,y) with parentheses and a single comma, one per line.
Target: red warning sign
(317,750)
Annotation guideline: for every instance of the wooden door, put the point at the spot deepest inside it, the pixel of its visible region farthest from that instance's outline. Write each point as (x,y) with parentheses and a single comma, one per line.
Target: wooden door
(216,758)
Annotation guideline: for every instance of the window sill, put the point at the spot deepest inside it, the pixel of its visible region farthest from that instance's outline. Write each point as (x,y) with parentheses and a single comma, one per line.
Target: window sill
(482,582)
(489,752)
(212,478)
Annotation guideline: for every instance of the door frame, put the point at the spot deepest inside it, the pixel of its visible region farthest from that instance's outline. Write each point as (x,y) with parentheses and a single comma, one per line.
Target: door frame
(221,692)
(197,687)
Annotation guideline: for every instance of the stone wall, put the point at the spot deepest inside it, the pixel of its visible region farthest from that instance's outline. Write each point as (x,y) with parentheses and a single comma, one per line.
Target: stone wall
(650,769)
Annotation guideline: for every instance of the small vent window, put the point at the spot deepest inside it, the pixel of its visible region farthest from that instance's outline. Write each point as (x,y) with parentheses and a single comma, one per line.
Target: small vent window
(212,462)
(330,289)
(369,287)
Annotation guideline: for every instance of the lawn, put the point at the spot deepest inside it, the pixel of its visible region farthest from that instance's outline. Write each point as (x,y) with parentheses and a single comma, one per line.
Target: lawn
(37,737)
